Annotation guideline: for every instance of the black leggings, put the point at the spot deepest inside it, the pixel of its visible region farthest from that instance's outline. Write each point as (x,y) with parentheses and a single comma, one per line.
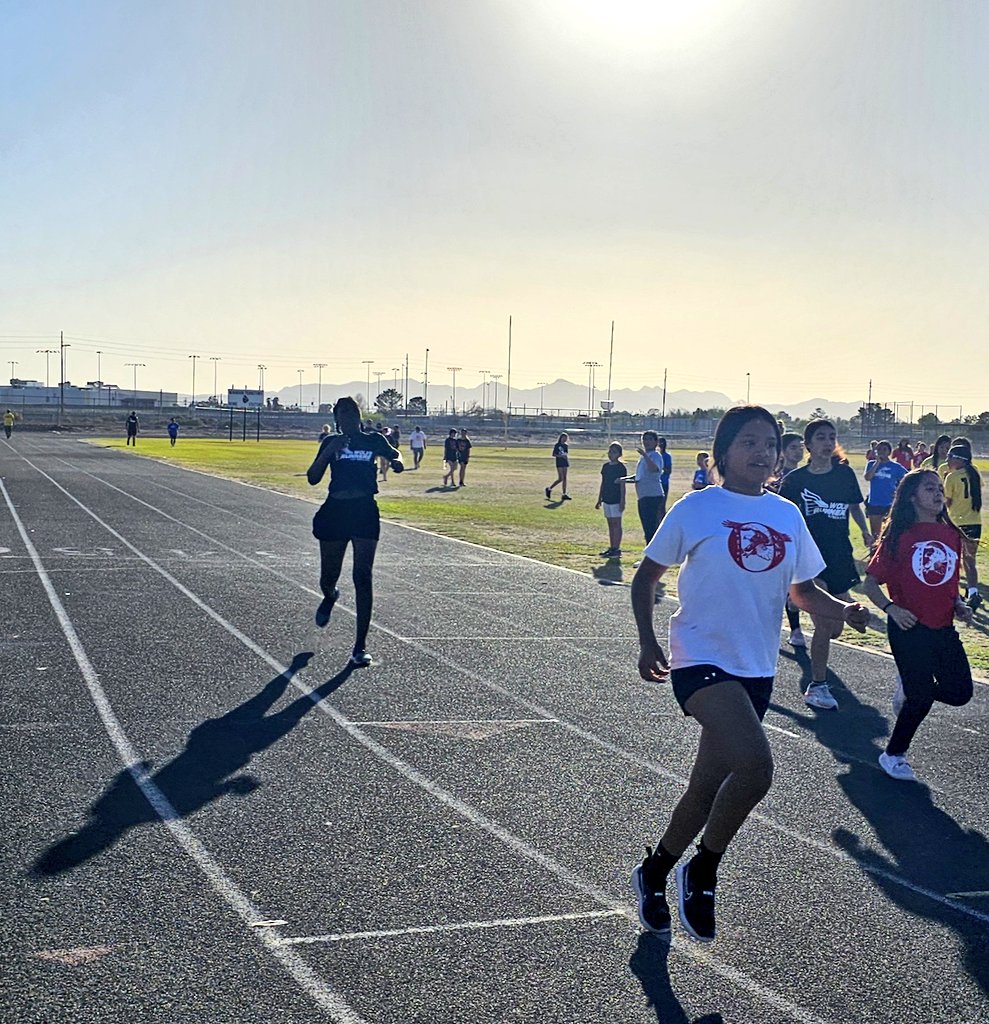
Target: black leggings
(651,512)
(933,666)
(331,554)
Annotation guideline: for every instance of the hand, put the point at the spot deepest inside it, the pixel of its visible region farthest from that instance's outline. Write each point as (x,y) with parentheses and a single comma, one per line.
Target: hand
(641,451)
(332,445)
(598,505)
(963,612)
(867,539)
(653,665)
(857,616)
(903,618)
(397,466)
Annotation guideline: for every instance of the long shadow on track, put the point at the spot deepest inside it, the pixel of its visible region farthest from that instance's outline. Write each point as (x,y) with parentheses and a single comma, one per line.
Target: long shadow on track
(649,963)
(924,844)
(208,768)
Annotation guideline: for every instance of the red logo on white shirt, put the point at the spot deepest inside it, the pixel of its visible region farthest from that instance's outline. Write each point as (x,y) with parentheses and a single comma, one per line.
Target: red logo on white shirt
(933,562)
(756,547)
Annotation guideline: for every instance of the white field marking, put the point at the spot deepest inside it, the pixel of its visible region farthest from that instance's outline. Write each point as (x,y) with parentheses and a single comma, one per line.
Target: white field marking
(977,894)
(589,737)
(443,796)
(501,639)
(462,926)
(460,721)
(321,993)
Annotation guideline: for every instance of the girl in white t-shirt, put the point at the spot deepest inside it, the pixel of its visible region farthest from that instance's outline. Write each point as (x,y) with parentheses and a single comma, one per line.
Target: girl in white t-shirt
(742,551)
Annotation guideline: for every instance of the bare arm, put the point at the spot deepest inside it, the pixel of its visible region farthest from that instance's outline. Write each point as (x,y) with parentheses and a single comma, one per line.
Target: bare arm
(652,661)
(855,511)
(870,470)
(809,597)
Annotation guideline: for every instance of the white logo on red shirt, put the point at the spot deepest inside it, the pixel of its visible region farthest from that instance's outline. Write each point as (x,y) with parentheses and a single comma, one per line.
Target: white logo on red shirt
(756,547)
(933,562)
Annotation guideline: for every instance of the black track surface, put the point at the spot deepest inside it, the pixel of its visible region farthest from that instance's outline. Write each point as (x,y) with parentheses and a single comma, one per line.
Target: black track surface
(500,761)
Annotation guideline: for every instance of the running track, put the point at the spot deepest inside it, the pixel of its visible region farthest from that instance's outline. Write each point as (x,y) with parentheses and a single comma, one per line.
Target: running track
(208,819)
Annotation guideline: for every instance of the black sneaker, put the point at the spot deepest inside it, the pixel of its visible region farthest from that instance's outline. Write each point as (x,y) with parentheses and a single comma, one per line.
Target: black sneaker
(650,888)
(974,601)
(549,493)
(324,609)
(360,658)
(696,906)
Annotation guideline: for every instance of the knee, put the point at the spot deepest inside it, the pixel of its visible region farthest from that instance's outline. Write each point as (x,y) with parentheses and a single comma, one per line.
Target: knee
(757,773)
(836,628)
(958,697)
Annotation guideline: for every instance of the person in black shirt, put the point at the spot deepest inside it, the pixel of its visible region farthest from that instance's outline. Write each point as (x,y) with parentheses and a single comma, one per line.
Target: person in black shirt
(827,492)
(464,446)
(450,458)
(561,453)
(612,497)
(132,426)
(349,514)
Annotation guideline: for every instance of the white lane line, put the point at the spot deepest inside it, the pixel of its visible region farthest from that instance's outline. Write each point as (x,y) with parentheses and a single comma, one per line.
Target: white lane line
(443,796)
(463,926)
(461,638)
(300,971)
(589,737)
(460,721)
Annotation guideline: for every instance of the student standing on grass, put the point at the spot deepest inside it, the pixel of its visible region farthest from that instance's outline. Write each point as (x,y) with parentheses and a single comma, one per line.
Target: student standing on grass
(649,492)
(450,457)
(882,475)
(918,559)
(963,496)
(173,431)
(350,514)
(8,423)
(132,423)
(742,550)
(701,480)
(561,452)
(792,452)
(417,442)
(611,497)
(664,476)
(827,492)
(464,445)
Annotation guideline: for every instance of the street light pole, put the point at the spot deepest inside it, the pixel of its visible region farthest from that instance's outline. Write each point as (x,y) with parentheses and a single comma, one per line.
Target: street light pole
(192,402)
(261,369)
(496,377)
(216,394)
(46,352)
(453,370)
(484,389)
(135,366)
(299,372)
(748,388)
(542,386)
(590,364)
(318,367)
(13,363)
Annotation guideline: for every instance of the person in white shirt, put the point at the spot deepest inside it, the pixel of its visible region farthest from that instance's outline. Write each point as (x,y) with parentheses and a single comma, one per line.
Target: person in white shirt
(649,492)
(742,550)
(417,442)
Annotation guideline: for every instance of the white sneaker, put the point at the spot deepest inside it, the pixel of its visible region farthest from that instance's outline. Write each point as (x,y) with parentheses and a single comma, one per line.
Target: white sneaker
(896,766)
(899,697)
(797,638)
(818,695)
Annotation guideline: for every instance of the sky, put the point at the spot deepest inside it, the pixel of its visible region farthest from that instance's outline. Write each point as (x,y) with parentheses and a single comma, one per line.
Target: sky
(794,191)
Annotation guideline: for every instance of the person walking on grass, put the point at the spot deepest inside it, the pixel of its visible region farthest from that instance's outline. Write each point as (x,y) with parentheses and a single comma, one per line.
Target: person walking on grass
(173,431)
(882,475)
(450,457)
(649,492)
(8,423)
(561,452)
(963,496)
(918,560)
(741,550)
(350,514)
(611,497)
(417,442)
(132,424)
(827,492)
(464,445)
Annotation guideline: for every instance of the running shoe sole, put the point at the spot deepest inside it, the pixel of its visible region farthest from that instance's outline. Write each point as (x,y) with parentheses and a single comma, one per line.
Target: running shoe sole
(681,885)
(640,892)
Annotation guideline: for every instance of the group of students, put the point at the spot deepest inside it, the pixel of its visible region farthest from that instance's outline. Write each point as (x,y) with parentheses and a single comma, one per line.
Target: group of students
(771,531)
(456,456)
(133,424)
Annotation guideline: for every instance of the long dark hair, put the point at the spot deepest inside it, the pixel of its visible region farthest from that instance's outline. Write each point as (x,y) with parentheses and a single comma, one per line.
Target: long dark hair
(345,405)
(974,483)
(838,456)
(730,427)
(902,514)
(937,456)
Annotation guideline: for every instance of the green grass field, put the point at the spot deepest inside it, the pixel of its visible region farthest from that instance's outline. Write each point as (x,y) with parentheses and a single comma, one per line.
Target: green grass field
(501,506)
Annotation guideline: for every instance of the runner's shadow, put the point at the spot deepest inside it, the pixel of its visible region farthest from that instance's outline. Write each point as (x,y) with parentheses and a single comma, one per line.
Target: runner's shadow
(609,573)
(649,964)
(208,768)
(919,841)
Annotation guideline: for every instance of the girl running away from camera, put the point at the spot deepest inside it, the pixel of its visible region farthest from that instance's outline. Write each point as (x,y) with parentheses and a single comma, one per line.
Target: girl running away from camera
(918,558)
(350,514)
(742,551)
(827,492)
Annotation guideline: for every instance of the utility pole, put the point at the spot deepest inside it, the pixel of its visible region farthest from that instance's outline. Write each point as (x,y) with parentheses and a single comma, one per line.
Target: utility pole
(135,366)
(611,354)
(216,394)
(99,377)
(192,401)
(508,383)
(662,417)
(319,367)
(591,366)
(425,383)
(61,384)
(453,370)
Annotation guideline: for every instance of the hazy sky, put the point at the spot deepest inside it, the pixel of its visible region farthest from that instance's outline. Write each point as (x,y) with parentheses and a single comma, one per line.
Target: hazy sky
(796,190)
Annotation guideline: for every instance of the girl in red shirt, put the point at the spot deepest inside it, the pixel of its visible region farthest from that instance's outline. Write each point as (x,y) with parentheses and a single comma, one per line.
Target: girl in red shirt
(919,558)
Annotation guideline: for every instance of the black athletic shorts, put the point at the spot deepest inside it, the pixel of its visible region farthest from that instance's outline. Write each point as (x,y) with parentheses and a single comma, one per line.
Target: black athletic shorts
(687,681)
(562,463)
(973,532)
(347,519)
(877,510)
(840,578)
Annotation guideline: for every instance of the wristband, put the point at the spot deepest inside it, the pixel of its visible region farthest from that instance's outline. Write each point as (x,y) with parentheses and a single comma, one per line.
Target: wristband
(889,604)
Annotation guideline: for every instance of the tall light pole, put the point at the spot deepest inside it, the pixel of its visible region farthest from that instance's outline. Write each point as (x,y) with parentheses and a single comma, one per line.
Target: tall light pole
(318,367)
(453,370)
(261,369)
(46,352)
(542,385)
(192,402)
(135,366)
(299,372)
(425,384)
(496,377)
(591,366)
(99,377)
(216,394)
(484,388)
(748,388)
(62,346)
(396,370)
(13,363)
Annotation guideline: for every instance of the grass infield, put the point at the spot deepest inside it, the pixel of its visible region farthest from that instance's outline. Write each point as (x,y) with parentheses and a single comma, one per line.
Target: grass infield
(503,506)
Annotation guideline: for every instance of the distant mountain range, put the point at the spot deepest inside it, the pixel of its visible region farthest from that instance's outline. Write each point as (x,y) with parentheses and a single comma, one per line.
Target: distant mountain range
(563,396)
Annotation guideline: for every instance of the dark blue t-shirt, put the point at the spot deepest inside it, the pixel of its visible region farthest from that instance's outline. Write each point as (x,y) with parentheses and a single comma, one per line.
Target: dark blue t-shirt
(354,469)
